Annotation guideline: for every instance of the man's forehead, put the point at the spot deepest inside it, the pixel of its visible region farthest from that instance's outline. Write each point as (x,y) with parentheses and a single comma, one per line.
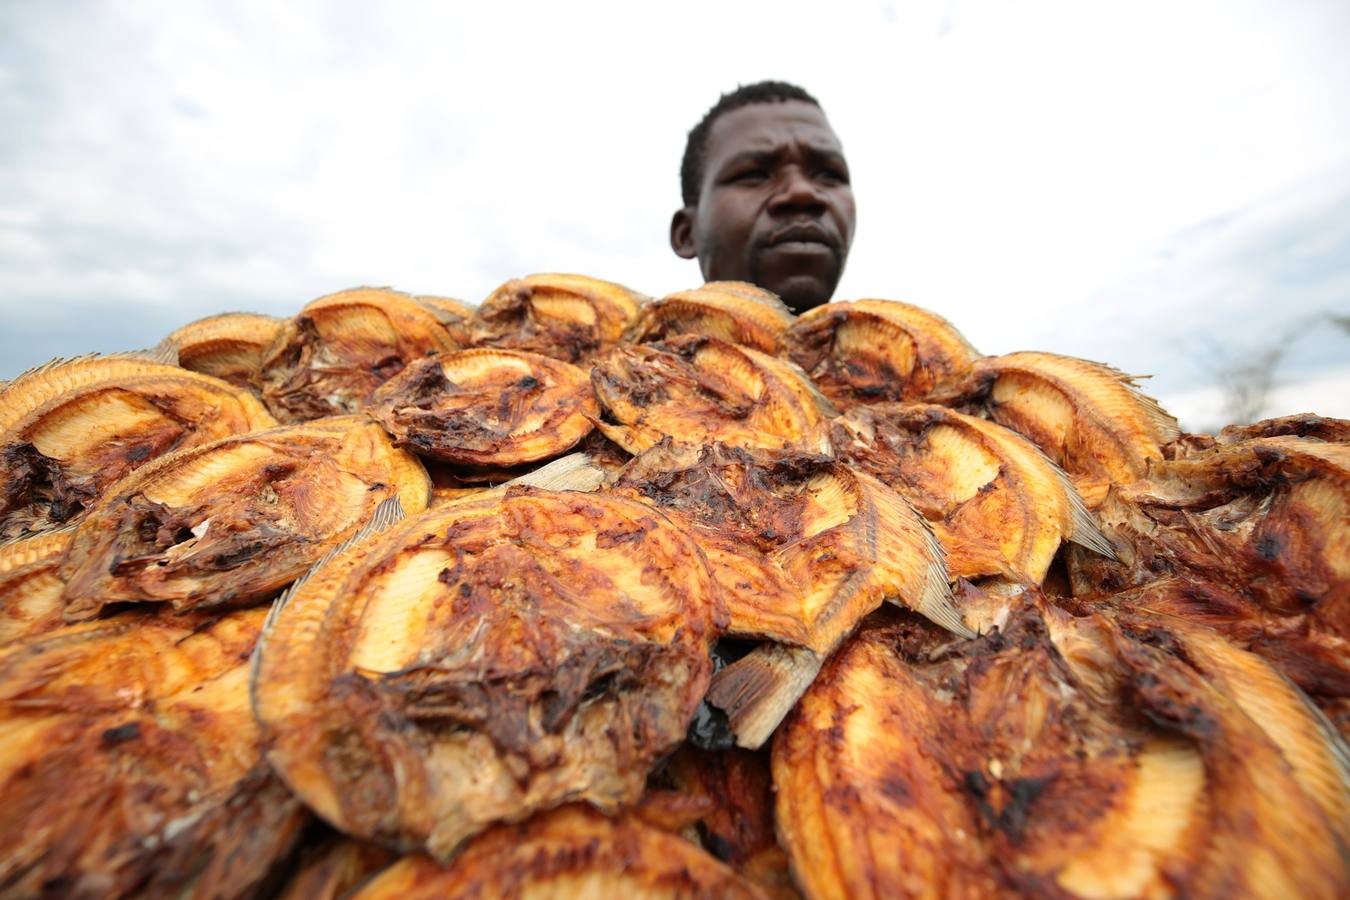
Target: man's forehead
(769,127)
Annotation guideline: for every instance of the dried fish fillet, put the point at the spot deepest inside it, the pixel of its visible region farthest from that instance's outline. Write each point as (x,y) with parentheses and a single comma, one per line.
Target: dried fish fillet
(1268,518)
(331,357)
(1267,836)
(868,775)
(233,522)
(1315,752)
(71,428)
(732,311)
(699,389)
(130,762)
(571,852)
(870,351)
(228,346)
(1093,765)
(490,658)
(1089,418)
(802,548)
(488,407)
(30,584)
(567,317)
(1305,425)
(999,507)
(1250,538)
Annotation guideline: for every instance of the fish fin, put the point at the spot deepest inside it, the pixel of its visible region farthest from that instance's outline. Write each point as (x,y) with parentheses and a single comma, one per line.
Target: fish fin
(1083,528)
(935,601)
(166,351)
(1166,424)
(388,513)
(760,688)
(573,472)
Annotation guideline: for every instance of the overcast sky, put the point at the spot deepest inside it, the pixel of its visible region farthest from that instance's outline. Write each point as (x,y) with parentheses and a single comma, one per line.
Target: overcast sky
(1164,186)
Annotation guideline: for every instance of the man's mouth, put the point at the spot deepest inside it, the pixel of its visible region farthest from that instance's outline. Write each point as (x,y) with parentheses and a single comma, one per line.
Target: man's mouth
(802,238)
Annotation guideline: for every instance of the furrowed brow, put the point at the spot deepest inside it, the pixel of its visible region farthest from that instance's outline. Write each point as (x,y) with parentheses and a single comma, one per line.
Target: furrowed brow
(748,157)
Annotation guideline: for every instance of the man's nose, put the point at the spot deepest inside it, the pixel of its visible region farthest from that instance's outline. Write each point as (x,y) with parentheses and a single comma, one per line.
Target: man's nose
(797,192)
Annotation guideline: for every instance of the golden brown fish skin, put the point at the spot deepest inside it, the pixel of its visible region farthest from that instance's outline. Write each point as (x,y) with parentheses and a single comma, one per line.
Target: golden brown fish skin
(30,584)
(1057,756)
(1309,743)
(1304,425)
(997,504)
(759,518)
(802,548)
(868,773)
(232,523)
(568,317)
(71,428)
(1267,518)
(570,852)
(1089,418)
(732,311)
(1296,646)
(870,351)
(492,657)
(699,389)
(130,762)
(229,346)
(1266,836)
(488,407)
(330,358)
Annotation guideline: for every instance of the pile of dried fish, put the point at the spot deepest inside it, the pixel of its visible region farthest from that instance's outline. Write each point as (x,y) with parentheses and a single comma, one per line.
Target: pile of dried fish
(581,593)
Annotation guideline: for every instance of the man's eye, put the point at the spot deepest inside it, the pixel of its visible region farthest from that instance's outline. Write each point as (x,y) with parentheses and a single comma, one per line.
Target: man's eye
(833,176)
(750,176)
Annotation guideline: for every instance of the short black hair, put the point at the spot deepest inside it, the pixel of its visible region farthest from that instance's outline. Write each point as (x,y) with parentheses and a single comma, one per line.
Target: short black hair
(696,148)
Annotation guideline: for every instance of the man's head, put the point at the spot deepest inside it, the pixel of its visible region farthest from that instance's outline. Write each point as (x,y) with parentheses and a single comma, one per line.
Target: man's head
(766,195)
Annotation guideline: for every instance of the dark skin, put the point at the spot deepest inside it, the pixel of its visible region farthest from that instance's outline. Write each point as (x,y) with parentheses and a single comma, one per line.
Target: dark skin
(775,207)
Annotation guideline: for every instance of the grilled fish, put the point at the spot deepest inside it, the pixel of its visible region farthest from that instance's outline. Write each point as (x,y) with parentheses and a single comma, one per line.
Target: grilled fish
(30,584)
(1267,517)
(1089,418)
(1304,425)
(490,658)
(568,317)
(1096,764)
(699,389)
(870,351)
(331,357)
(1316,754)
(130,762)
(234,522)
(1249,538)
(487,407)
(570,852)
(997,505)
(732,311)
(802,548)
(228,346)
(71,428)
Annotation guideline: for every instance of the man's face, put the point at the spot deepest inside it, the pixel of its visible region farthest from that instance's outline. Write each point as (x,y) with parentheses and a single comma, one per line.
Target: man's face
(775,207)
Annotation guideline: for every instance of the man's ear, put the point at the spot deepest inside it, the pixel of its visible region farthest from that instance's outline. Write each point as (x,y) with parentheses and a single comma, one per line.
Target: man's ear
(682,233)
